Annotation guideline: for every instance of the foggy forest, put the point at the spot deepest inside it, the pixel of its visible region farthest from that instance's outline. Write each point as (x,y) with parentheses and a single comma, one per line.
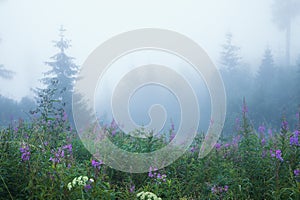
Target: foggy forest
(44,153)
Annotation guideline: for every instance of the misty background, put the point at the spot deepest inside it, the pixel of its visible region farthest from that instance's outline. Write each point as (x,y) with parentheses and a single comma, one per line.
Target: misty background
(255,45)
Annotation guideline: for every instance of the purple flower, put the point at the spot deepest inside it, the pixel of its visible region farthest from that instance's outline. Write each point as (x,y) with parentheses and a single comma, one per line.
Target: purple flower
(96,164)
(270,133)
(272,154)
(237,124)
(227,145)
(284,125)
(193,149)
(226,188)
(113,124)
(261,129)
(294,141)
(172,136)
(297,172)
(24,149)
(218,146)
(87,187)
(68,147)
(57,156)
(278,154)
(219,189)
(132,188)
(263,142)
(156,176)
(150,174)
(236,140)
(65,116)
(113,132)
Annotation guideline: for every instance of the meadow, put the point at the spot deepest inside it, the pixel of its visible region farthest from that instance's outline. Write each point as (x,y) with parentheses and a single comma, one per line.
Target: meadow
(44,159)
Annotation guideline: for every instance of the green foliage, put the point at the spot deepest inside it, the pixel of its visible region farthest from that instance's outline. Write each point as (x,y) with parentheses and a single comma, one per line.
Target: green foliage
(45,159)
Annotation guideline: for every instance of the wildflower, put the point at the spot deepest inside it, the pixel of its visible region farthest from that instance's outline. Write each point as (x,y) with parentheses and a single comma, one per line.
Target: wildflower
(236,140)
(278,154)
(156,176)
(81,181)
(57,156)
(69,185)
(132,188)
(284,125)
(150,174)
(226,188)
(227,145)
(113,127)
(24,149)
(113,132)
(65,116)
(68,147)
(219,189)
(263,142)
(261,129)
(297,172)
(87,187)
(237,124)
(294,139)
(270,133)
(172,126)
(217,146)
(96,164)
(193,149)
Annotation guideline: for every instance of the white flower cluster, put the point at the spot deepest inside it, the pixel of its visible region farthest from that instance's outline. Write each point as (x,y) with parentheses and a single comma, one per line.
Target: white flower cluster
(147,196)
(80,181)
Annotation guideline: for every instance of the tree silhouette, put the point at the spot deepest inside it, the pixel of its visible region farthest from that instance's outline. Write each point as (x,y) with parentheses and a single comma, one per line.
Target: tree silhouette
(236,79)
(284,11)
(63,73)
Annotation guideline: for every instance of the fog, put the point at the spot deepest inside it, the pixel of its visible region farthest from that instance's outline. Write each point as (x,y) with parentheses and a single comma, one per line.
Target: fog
(29,27)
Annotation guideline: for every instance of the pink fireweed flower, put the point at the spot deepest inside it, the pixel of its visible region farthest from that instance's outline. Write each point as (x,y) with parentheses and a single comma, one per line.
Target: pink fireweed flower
(65,116)
(193,149)
(96,164)
(261,129)
(297,172)
(219,189)
(68,147)
(270,133)
(218,146)
(57,156)
(263,142)
(284,125)
(132,188)
(294,139)
(277,154)
(236,140)
(156,175)
(24,149)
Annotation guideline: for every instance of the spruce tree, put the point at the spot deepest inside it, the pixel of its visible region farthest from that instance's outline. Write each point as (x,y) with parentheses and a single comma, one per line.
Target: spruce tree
(62,74)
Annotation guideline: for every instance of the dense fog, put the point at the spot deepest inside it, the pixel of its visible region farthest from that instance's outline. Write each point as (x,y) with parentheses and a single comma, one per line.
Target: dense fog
(255,45)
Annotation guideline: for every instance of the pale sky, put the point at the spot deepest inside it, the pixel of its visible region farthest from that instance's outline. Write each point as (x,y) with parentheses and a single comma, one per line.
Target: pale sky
(28,27)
